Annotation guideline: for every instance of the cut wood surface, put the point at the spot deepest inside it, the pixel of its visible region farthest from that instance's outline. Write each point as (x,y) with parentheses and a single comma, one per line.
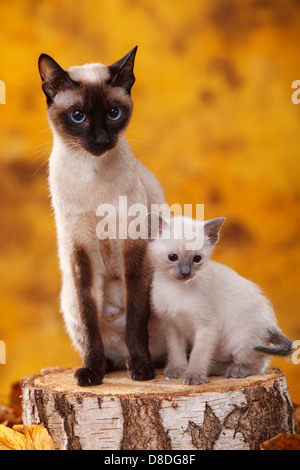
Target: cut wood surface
(159,414)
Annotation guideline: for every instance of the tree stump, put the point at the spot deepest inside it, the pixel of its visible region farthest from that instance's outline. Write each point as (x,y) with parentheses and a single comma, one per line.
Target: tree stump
(159,414)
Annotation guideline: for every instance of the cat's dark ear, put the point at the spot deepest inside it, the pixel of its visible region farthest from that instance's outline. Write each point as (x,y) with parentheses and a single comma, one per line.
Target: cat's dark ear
(122,71)
(156,227)
(212,229)
(54,78)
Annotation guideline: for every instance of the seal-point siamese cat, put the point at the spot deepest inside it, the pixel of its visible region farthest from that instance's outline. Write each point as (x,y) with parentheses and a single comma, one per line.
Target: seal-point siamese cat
(207,308)
(89,108)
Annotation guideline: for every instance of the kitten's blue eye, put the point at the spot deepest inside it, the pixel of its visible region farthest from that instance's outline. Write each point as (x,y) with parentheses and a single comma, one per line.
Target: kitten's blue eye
(77,116)
(197,259)
(173,257)
(115,113)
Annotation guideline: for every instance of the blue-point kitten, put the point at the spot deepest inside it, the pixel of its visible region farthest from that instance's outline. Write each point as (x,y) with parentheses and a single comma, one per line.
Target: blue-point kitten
(216,321)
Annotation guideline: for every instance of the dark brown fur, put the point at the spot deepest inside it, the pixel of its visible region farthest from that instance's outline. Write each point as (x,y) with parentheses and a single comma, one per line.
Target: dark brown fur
(98,133)
(137,280)
(94,358)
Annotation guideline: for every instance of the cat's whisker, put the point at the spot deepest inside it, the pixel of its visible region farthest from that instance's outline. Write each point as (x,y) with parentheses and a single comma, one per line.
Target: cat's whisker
(141,142)
(48,129)
(44,148)
(143,153)
(41,145)
(44,163)
(136,128)
(42,154)
(139,149)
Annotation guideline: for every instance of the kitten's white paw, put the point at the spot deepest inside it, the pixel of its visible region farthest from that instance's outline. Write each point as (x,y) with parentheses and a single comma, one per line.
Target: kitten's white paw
(172,372)
(194,379)
(238,371)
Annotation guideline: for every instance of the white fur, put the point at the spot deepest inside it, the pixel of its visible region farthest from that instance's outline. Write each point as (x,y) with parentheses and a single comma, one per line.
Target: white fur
(79,183)
(219,314)
(89,73)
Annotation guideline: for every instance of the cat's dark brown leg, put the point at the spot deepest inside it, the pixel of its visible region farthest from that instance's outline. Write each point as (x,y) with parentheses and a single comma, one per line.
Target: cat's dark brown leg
(137,281)
(94,361)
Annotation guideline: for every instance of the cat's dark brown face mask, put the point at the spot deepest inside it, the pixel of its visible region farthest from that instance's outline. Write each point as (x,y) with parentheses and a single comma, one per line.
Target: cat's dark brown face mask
(89,106)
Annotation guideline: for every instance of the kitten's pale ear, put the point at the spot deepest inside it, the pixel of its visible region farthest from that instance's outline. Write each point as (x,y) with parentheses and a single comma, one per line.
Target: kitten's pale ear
(122,71)
(212,229)
(54,78)
(155,224)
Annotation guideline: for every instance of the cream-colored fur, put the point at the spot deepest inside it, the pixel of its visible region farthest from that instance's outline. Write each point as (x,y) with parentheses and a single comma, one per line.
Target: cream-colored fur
(216,314)
(79,183)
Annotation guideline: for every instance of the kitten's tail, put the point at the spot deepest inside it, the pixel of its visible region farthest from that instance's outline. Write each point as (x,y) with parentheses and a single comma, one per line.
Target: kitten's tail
(283,346)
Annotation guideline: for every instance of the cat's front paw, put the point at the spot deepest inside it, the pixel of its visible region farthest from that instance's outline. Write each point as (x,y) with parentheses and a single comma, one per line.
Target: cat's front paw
(86,377)
(238,371)
(172,372)
(141,370)
(194,379)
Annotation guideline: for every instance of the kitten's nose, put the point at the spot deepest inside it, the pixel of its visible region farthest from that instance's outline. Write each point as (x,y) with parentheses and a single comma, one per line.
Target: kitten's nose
(185,270)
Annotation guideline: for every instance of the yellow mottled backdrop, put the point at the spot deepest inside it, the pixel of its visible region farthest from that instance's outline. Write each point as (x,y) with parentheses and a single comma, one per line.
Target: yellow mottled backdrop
(213,120)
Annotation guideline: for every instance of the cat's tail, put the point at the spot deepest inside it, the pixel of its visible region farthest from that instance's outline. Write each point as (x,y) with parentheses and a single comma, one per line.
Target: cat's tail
(283,346)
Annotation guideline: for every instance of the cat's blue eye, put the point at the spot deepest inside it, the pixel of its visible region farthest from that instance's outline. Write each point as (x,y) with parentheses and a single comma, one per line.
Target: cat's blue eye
(114,114)
(197,259)
(173,257)
(77,116)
